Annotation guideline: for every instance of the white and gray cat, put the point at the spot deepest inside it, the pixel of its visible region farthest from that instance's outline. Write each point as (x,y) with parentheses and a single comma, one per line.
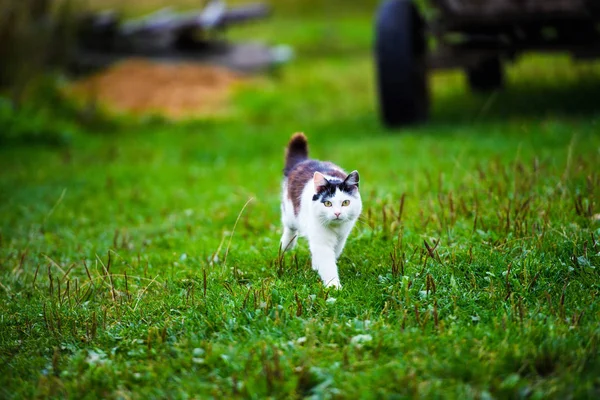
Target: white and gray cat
(320,202)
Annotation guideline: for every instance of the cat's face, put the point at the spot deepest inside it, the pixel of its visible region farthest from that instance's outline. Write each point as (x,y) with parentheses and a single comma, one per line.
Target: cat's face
(336,201)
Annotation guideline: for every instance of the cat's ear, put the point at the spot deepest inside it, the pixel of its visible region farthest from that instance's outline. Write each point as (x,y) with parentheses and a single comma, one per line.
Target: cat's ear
(352,179)
(319,181)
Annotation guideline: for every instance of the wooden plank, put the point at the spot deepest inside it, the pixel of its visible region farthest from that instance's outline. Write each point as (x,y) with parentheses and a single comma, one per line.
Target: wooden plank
(510,8)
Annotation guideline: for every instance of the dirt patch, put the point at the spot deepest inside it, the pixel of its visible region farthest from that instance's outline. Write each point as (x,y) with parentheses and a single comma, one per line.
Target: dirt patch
(173,90)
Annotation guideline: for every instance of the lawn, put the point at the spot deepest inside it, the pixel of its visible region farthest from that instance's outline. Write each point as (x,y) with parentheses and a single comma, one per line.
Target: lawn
(142,260)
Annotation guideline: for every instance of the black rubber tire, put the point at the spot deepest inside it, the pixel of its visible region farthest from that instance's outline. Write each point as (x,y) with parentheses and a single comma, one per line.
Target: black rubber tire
(401,71)
(486,76)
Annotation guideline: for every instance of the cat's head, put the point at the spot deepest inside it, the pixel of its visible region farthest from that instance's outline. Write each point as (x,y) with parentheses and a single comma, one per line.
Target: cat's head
(336,201)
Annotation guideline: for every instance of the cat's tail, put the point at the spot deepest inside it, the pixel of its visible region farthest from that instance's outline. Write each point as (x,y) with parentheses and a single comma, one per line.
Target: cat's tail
(296,152)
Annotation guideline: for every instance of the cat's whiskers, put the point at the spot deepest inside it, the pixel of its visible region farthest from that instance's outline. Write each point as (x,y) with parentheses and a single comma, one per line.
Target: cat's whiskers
(325,221)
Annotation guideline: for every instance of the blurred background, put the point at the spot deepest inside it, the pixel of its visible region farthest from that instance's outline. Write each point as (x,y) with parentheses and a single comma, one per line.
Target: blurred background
(73,66)
(68,62)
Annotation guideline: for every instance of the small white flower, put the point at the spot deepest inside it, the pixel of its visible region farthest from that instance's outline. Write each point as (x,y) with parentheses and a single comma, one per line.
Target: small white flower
(95,358)
(330,300)
(198,352)
(301,340)
(359,339)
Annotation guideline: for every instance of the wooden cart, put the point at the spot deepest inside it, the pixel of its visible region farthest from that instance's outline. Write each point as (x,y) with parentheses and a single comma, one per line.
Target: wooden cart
(478,36)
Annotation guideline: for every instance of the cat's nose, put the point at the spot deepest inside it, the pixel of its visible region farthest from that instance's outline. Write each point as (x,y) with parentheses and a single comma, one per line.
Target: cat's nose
(337,214)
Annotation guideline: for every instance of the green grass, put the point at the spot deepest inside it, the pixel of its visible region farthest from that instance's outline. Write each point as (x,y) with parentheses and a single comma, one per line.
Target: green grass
(130,268)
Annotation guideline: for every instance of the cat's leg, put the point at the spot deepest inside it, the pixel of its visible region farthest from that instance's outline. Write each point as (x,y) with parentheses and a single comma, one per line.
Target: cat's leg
(288,220)
(339,247)
(288,239)
(323,261)
(341,241)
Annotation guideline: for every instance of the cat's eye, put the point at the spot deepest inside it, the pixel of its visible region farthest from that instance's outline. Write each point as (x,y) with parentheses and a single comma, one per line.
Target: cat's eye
(346,203)
(327,204)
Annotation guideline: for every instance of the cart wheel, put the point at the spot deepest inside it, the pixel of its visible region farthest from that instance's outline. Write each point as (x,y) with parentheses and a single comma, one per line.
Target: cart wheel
(400,50)
(486,76)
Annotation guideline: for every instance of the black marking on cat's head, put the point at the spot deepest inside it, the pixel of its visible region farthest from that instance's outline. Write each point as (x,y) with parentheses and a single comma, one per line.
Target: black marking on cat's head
(326,188)
(351,182)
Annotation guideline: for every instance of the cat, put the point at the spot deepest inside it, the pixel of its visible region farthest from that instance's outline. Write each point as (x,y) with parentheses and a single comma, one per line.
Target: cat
(320,202)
